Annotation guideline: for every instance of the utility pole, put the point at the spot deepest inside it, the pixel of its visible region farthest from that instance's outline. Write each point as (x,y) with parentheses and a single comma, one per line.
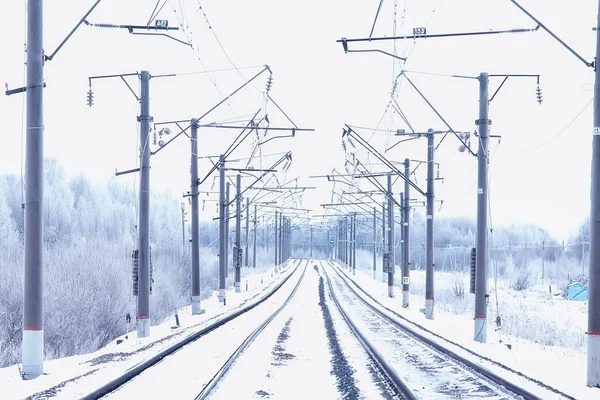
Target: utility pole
(593,333)
(311,243)
(222,234)
(227,232)
(283,238)
(354,245)
(543,254)
(247,228)
(183,224)
(406,239)
(196,308)
(276,241)
(143,306)
(391,260)
(288,242)
(383,236)
(350,243)
(32,354)
(281,233)
(429,297)
(341,246)
(329,248)
(237,250)
(405,266)
(374,243)
(481,295)
(254,241)
(339,240)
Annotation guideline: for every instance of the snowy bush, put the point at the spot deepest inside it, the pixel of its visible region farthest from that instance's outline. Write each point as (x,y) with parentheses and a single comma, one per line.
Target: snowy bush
(458,286)
(89,235)
(520,280)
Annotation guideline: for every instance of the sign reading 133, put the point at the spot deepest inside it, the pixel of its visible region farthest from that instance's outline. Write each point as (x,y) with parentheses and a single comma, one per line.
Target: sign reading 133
(422,31)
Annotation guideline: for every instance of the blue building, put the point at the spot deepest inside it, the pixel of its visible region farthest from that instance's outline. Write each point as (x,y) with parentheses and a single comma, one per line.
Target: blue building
(577,291)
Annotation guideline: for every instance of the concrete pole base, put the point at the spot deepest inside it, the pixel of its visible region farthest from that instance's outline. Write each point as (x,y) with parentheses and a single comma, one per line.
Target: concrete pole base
(353,271)
(391,292)
(405,298)
(222,294)
(374,274)
(143,328)
(593,359)
(196,309)
(238,287)
(480,330)
(429,309)
(32,353)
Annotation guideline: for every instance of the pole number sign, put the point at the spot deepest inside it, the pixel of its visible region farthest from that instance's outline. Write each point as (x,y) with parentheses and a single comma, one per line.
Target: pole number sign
(420,32)
(162,23)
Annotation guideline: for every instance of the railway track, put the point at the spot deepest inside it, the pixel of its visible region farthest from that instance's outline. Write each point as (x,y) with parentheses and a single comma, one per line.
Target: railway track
(552,390)
(416,366)
(210,386)
(121,381)
(397,387)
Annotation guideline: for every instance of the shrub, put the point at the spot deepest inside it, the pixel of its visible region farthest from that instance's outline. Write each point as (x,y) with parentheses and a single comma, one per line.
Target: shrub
(458,286)
(521,280)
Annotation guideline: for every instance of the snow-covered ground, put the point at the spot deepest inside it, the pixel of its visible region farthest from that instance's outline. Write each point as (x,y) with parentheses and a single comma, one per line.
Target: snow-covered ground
(559,367)
(75,376)
(304,343)
(293,358)
(427,373)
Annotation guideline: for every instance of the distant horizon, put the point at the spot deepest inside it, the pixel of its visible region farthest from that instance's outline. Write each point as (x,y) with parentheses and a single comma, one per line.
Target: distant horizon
(98,180)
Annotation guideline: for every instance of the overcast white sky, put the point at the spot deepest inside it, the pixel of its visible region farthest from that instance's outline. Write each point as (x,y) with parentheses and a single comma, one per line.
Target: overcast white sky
(533,179)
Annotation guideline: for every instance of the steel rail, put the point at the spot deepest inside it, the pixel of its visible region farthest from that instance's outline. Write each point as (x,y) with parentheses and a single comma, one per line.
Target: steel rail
(477,368)
(212,383)
(149,363)
(388,371)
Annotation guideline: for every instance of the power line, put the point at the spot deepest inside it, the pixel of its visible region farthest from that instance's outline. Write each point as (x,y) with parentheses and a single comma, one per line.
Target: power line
(188,36)
(565,128)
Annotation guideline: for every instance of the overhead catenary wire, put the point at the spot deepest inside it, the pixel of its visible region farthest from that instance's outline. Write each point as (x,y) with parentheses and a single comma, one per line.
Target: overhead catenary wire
(566,128)
(195,50)
(201,9)
(397,81)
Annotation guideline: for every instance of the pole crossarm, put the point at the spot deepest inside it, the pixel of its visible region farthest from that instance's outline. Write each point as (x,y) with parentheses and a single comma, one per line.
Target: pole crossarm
(559,40)
(350,132)
(81,21)
(344,41)
(286,157)
(160,26)
(266,68)
(437,113)
(229,150)
(267,128)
